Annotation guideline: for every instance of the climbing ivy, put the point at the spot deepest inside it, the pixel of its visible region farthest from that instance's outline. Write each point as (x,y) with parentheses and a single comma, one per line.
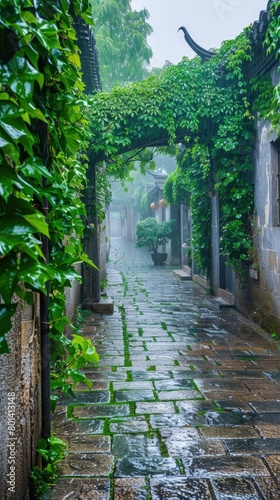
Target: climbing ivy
(272,44)
(209,108)
(42,133)
(44,120)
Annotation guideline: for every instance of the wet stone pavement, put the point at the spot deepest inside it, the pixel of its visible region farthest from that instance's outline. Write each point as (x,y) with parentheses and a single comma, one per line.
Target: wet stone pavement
(185,402)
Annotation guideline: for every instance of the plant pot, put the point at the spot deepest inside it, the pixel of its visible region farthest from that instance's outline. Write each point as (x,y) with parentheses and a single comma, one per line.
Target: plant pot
(159,258)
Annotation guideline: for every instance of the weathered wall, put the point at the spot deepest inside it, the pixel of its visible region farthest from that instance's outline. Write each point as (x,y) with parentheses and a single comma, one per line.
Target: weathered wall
(20,398)
(20,403)
(261,297)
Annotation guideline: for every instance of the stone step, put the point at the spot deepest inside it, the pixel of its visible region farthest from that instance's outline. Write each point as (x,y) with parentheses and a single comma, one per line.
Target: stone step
(182,275)
(222,304)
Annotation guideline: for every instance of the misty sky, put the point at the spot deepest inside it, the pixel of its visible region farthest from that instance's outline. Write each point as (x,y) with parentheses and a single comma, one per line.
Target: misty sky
(209,22)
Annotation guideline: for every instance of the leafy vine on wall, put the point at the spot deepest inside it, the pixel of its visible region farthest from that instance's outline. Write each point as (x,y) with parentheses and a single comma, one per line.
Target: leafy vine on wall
(43,131)
(44,119)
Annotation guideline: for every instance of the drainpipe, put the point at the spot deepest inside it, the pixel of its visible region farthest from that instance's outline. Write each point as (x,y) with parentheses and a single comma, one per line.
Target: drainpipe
(44,305)
(45,364)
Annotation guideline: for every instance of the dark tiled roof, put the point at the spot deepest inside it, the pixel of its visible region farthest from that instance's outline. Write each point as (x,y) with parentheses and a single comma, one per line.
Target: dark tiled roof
(261,61)
(88,55)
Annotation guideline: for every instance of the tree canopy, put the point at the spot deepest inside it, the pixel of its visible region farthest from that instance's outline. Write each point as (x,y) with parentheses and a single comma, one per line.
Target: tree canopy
(121,36)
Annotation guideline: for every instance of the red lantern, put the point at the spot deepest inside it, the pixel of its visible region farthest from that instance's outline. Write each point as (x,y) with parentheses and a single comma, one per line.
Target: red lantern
(163,202)
(154,206)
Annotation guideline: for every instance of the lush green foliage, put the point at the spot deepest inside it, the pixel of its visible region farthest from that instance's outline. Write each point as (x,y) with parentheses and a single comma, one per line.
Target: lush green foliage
(53,450)
(121,37)
(206,106)
(194,170)
(66,370)
(272,41)
(43,131)
(151,233)
(209,108)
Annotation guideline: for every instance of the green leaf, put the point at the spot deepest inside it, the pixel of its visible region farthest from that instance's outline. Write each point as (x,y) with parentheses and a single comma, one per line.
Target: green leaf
(9,125)
(36,169)
(19,243)
(10,179)
(15,225)
(83,257)
(38,221)
(46,33)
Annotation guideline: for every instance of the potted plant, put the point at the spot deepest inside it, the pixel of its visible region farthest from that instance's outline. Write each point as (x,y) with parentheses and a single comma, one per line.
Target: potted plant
(152,234)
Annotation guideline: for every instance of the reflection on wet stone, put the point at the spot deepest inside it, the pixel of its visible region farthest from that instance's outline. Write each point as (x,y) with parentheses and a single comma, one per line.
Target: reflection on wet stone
(70,427)
(89,444)
(236,431)
(150,408)
(179,488)
(227,418)
(100,411)
(274,464)
(130,488)
(253,446)
(129,425)
(130,445)
(225,466)
(269,487)
(137,395)
(234,489)
(179,395)
(86,397)
(184,403)
(81,489)
(167,385)
(186,447)
(87,464)
(137,466)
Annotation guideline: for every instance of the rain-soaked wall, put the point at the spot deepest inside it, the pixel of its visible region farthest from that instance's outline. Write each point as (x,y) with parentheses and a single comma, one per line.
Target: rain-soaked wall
(261,295)
(20,403)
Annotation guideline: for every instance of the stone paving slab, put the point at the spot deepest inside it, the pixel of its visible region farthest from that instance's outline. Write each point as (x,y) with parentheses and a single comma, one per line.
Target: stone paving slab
(77,489)
(185,402)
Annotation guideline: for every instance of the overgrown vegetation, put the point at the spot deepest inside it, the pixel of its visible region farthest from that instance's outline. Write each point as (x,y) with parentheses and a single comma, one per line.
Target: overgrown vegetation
(207,107)
(46,123)
(121,36)
(52,450)
(152,234)
(43,132)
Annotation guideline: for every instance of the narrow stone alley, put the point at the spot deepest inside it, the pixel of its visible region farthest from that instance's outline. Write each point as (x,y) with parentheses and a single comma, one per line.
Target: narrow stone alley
(185,402)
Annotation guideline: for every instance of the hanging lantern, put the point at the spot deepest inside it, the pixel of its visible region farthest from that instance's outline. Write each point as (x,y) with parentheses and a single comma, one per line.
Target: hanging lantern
(163,202)
(154,206)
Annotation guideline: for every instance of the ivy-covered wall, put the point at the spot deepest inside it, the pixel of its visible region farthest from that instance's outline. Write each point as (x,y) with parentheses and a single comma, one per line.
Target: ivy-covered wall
(43,140)
(260,297)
